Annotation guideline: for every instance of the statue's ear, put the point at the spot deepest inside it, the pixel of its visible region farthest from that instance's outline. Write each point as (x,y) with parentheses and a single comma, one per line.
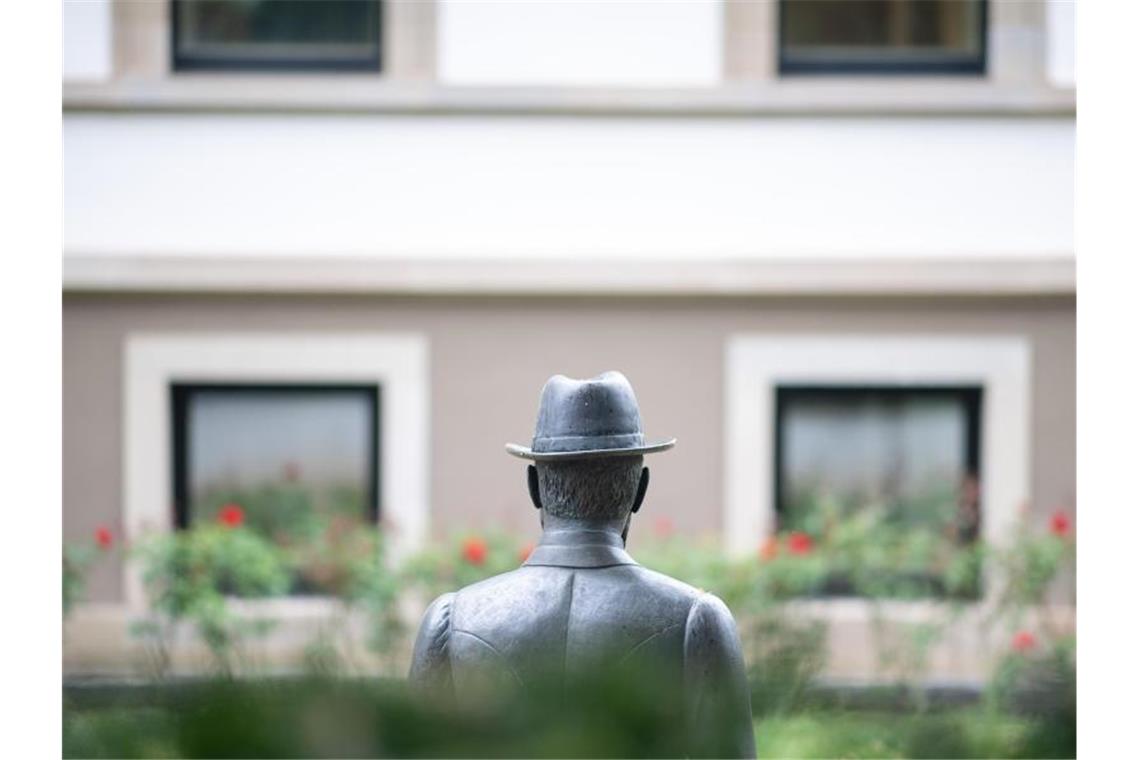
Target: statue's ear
(532,486)
(642,486)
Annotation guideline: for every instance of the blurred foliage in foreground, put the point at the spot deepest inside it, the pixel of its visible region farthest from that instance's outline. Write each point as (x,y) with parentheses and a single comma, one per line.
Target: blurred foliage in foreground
(603,718)
(963,733)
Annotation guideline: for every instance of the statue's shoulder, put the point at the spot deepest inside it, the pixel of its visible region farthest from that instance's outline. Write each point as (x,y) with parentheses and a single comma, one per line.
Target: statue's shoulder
(436,622)
(430,667)
(703,610)
(667,586)
(494,592)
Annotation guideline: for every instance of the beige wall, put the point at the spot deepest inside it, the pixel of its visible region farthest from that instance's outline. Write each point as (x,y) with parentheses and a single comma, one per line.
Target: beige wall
(490,356)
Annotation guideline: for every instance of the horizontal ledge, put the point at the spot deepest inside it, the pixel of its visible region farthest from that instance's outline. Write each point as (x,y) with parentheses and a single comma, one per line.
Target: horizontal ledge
(801,276)
(358,94)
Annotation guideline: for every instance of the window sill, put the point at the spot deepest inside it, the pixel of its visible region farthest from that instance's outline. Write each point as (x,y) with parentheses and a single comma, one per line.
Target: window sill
(840,96)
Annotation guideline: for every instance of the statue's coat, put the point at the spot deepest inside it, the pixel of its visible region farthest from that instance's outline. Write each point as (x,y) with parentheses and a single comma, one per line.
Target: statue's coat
(580,602)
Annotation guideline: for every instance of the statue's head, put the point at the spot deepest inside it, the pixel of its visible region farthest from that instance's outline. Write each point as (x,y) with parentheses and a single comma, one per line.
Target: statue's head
(588,451)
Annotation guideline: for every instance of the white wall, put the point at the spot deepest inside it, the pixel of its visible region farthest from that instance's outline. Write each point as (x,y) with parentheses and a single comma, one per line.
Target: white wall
(1061,26)
(580,42)
(470,187)
(86,40)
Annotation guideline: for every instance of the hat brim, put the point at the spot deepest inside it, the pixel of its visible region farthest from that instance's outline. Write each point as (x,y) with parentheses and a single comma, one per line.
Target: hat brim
(525,452)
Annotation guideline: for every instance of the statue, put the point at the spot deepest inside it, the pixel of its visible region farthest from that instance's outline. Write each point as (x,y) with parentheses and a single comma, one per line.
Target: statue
(580,601)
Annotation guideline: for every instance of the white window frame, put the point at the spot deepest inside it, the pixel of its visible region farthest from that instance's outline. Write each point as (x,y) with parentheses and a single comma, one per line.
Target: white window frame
(756,364)
(397,362)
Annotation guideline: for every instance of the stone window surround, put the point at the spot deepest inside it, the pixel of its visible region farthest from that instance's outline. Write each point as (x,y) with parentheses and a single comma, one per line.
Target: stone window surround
(397,362)
(1015,83)
(141,40)
(1016,41)
(756,363)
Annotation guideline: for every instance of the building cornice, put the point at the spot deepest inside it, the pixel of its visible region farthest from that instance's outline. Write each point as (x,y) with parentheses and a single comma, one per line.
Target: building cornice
(765,277)
(851,96)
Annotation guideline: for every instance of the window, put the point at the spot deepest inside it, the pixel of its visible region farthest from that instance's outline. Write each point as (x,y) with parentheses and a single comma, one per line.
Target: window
(270,35)
(299,461)
(891,472)
(882,36)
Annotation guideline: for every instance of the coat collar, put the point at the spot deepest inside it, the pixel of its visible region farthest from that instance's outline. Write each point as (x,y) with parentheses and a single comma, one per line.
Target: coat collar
(579,548)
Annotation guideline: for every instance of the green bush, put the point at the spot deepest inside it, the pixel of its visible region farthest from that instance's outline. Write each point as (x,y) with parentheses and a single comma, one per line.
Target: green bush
(602,718)
(188,575)
(77,561)
(1042,686)
(785,658)
(603,715)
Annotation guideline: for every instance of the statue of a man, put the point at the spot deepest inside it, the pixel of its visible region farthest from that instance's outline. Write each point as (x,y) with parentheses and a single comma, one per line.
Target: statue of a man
(580,601)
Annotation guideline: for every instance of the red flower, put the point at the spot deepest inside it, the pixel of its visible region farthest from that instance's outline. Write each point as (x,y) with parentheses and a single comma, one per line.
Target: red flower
(524,553)
(475,551)
(1059,524)
(103,537)
(663,526)
(799,543)
(1023,641)
(231,515)
(770,549)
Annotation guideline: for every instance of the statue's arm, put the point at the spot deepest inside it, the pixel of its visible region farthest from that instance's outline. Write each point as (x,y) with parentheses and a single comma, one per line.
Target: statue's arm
(431,664)
(717,693)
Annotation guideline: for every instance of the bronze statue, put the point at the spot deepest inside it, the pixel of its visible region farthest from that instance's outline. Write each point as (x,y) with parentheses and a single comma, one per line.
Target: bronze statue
(580,602)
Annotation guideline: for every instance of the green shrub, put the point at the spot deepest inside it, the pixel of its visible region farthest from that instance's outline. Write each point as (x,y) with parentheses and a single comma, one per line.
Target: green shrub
(602,715)
(785,657)
(1042,686)
(77,561)
(188,575)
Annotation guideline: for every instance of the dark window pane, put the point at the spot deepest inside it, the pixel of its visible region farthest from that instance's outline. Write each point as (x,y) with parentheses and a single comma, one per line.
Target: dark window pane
(299,461)
(883,36)
(895,467)
(276,34)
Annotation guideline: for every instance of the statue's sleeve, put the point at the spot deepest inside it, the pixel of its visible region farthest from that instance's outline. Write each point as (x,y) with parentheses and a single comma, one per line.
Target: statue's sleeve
(718,701)
(431,665)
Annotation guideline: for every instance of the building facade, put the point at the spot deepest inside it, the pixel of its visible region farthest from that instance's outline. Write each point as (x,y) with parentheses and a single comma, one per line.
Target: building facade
(732,202)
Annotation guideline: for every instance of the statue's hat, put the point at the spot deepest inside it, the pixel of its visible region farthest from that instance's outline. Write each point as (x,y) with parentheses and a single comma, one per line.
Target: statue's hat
(586,419)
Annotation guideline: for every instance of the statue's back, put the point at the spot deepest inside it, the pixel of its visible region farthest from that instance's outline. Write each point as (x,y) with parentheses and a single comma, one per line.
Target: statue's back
(579,609)
(542,622)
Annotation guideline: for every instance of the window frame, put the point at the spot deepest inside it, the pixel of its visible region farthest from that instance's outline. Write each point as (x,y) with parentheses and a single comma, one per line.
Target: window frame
(395,361)
(373,63)
(969,395)
(754,362)
(975,66)
(182,393)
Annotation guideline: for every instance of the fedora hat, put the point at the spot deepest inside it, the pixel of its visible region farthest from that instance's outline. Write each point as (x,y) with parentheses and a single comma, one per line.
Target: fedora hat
(586,419)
